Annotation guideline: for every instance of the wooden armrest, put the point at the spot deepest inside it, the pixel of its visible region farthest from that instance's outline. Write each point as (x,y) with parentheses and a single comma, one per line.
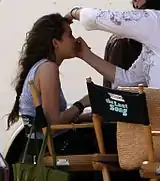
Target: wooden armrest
(150,169)
(155,133)
(83,162)
(71,126)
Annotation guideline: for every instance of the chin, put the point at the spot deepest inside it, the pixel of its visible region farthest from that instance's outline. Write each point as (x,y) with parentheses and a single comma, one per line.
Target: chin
(69,57)
(72,55)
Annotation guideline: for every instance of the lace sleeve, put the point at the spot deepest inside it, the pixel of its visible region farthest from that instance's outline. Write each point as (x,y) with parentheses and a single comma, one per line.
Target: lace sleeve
(135,24)
(132,77)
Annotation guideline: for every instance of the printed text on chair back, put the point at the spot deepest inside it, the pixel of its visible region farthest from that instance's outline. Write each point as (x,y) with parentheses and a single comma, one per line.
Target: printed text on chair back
(116,105)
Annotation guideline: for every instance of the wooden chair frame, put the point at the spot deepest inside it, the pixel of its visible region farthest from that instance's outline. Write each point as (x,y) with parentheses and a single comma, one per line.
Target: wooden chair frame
(95,162)
(90,162)
(149,168)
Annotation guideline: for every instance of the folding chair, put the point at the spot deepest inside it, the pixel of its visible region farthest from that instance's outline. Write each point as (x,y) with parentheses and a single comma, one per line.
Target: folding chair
(129,110)
(90,162)
(151,169)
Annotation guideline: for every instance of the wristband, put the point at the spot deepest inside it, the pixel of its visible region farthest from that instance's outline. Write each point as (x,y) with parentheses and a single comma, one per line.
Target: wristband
(80,106)
(74,9)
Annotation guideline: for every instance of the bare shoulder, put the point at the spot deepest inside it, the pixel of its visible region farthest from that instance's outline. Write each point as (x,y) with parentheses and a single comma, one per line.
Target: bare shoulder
(48,72)
(49,66)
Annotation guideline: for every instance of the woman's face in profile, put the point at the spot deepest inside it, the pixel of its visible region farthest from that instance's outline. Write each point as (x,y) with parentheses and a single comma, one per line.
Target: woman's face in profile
(67,44)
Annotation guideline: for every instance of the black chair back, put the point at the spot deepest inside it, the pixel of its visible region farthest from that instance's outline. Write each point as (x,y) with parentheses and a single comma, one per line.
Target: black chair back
(117,105)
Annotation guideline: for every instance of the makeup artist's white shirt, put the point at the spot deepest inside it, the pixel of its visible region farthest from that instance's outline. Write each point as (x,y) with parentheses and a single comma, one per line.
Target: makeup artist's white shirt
(141,25)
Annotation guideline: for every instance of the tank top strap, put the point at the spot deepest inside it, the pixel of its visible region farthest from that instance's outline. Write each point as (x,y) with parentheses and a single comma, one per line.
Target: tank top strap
(34,69)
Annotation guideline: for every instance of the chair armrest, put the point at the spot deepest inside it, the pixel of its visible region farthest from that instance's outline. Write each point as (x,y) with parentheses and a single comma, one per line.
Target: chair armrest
(88,162)
(156,133)
(71,126)
(150,169)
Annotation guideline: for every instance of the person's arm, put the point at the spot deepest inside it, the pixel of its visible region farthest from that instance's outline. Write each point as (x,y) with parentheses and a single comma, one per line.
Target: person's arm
(84,117)
(135,24)
(131,77)
(117,75)
(49,85)
(71,114)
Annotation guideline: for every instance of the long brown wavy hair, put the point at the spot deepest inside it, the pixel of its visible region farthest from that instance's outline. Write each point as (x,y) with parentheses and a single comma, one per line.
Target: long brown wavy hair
(38,45)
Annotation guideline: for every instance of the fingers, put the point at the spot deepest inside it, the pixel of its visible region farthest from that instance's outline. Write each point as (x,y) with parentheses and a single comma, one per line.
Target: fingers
(69,17)
(80,39)
(78,43)
(70,21)
(81,42)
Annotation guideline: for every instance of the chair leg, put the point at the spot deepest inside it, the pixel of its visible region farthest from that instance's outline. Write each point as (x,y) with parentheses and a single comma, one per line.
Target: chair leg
(48,141)
(151,156)
(97,120)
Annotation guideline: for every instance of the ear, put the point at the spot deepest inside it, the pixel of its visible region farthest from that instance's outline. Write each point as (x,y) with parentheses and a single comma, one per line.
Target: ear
(55,43)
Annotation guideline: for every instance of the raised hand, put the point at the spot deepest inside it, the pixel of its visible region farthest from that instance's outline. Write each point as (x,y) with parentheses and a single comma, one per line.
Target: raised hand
(83,50)
(73,14)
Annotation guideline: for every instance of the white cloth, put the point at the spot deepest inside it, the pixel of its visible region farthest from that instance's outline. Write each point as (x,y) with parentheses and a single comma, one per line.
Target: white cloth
(141,25)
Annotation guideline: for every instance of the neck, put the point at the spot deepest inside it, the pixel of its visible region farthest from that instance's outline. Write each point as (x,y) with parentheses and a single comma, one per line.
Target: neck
(59,62)
(59,59)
